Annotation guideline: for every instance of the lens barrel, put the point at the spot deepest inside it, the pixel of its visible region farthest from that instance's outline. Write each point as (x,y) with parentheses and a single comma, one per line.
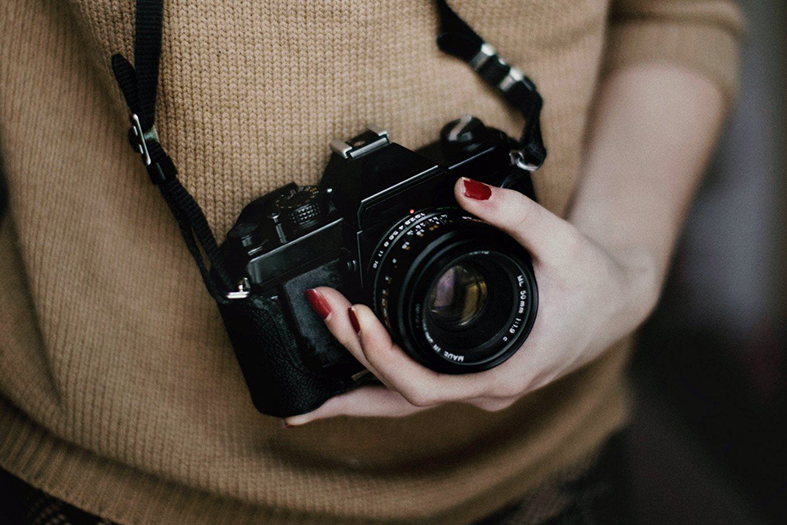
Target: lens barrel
(456,293)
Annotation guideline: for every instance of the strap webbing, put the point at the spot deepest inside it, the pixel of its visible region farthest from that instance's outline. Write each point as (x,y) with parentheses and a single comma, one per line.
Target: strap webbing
(138,84)
(458,39)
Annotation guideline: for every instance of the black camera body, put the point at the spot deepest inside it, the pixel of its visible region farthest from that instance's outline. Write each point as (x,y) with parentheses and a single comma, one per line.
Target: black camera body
(384,228)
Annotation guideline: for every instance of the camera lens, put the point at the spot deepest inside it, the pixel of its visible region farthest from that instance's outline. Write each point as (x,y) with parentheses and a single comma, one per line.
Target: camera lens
(457,294)
(458,297)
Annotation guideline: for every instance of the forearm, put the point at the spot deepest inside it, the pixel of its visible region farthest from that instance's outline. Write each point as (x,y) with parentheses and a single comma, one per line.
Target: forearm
(650,136)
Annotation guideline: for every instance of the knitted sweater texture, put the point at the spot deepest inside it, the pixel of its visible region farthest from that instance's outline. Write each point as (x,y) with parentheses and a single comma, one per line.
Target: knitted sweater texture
(119,391)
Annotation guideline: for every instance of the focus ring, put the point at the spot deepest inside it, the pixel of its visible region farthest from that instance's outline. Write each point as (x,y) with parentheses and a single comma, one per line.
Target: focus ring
(411,258)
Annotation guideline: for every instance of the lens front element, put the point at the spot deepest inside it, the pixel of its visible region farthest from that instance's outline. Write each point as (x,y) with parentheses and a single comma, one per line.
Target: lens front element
(456,293)
(458,297)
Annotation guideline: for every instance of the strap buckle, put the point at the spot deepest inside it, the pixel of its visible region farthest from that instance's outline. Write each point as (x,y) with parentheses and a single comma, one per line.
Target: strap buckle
(139,137)
(162,169)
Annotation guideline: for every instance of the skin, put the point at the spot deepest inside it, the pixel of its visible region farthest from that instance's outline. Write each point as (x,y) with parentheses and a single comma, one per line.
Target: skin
(599,271)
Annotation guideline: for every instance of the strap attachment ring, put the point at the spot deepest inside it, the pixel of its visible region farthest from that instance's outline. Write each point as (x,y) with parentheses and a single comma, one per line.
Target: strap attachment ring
(519,159)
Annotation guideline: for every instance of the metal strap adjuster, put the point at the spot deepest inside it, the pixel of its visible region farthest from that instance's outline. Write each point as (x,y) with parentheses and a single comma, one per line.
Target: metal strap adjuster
(513,77)
(484,54)
(139,138)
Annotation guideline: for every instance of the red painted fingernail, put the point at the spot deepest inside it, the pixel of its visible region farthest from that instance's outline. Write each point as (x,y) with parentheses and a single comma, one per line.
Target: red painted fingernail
(354,320)
(476,190)
(318,303)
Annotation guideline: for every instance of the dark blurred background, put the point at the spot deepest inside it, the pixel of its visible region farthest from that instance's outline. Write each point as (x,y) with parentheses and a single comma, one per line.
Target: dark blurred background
(708,443)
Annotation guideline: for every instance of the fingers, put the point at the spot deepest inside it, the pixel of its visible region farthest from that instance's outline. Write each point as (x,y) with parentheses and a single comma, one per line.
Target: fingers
(378,401)
(545,235)
(372,346)
(332,307)
(368,401)
(419,385)
(494,404)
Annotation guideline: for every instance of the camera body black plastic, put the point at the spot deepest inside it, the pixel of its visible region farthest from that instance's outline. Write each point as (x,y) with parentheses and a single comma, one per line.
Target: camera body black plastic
(374,194)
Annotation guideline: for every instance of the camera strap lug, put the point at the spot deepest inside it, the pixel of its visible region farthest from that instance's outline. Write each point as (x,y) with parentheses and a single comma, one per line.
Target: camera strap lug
(242,292)
(458,39)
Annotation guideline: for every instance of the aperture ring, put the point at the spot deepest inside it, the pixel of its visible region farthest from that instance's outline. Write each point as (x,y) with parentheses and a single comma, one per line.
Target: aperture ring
(412,255)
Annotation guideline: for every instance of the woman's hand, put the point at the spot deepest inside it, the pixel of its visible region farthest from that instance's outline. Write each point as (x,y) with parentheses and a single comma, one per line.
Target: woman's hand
(589,297)
(599,273)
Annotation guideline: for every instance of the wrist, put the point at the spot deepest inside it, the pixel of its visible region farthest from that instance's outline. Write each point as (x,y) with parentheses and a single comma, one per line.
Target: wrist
(642,260)
(643,275)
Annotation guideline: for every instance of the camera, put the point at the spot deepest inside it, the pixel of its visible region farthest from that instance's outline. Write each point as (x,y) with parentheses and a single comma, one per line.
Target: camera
(382,227)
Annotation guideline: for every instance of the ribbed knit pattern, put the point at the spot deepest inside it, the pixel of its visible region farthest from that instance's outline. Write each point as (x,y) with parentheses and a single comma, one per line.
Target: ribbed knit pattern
(119,391)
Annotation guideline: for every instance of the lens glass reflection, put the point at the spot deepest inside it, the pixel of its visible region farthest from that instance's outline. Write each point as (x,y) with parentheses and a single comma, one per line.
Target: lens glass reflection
(458,297)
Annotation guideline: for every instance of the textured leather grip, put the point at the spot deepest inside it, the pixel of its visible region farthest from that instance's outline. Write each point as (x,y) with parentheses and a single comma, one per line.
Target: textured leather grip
(280,383)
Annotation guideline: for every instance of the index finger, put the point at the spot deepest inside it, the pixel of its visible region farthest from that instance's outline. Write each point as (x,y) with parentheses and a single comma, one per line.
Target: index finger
(419,385)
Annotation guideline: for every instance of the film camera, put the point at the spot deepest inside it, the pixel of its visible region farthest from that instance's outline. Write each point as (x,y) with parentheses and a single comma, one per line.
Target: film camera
(384,228)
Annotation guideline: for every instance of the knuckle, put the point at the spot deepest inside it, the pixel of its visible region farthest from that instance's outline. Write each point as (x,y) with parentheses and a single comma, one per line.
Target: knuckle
(376,355)
(347,341)
(509,389)
(574,243)
(573,246)
(419,399)
(507,386)
(521,213)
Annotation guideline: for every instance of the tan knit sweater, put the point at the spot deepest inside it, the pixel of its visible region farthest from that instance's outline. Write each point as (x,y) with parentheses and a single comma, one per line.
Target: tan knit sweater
(119,391)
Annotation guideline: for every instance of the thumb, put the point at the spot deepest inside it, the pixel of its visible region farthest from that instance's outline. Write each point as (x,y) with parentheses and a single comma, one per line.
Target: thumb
(545,235)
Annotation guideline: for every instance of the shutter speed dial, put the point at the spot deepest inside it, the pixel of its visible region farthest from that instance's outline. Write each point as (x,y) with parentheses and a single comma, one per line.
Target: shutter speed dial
(298,210)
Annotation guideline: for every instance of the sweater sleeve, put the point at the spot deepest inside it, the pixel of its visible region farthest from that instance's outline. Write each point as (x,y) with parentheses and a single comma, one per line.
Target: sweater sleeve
(701,35)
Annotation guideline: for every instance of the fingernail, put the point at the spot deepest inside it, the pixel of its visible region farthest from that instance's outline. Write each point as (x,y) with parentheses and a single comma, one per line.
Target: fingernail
(354,320)
(476,190)
(318,303)
(284,424)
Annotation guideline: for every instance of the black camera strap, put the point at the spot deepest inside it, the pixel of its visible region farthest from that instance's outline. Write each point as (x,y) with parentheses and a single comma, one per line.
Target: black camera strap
(139,83)
(458,39)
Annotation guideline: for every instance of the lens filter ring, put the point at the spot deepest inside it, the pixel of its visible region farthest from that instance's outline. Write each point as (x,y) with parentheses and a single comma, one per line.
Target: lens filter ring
(456,293)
